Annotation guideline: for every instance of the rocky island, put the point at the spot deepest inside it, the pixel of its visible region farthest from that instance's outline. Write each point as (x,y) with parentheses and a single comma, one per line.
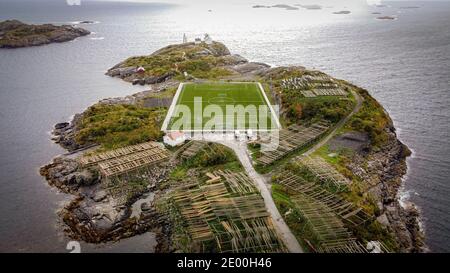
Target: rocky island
(342,12)
(173,196)
(281,6)
(14,34)
(386,17)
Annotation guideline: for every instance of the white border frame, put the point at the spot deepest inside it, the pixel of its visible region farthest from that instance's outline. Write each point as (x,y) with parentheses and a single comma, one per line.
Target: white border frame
(177,95)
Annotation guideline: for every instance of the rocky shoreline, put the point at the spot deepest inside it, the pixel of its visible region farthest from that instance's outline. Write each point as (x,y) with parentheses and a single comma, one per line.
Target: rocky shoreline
(384,170)
(15,34)
(97,216)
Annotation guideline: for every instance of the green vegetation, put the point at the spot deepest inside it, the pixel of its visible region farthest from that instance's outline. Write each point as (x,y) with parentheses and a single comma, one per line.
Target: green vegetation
(357,194)
(223,95)
(167,93)
(298,109)
(370,230)
(371,119)
(115,126)
(201,61)
(331,108)
(212,156)
(292,217)
(275,166)
(208,159)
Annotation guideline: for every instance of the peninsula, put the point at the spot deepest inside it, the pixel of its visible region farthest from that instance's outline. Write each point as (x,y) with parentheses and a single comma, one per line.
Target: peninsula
(14,34)
(331,184)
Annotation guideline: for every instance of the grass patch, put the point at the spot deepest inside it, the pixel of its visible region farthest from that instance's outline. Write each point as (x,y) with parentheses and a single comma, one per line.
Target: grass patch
(115,126)
(371,119)
(167,93)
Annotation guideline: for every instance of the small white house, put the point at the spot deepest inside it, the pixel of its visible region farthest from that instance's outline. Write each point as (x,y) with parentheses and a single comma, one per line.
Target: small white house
(197,41)
(174,138)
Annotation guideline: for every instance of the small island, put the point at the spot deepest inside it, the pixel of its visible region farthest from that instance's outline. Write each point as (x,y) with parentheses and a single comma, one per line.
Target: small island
(260,7)
(284,6)
(281,6)
(311,7)
(386,18)
(15,34)
(342,12)
(409,7)
(331,185)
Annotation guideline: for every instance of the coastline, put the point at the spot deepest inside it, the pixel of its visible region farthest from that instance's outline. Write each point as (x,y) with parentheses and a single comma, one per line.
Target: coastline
(404,197)
(407,218)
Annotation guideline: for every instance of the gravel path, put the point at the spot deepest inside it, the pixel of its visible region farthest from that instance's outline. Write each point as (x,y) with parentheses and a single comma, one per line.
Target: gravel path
(283,230)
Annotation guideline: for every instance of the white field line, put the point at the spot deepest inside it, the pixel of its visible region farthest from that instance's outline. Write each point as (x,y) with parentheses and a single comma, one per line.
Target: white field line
(172,108)
(270,105)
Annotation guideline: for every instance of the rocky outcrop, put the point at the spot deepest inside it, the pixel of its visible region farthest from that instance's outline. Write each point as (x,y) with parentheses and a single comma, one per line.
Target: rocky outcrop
(154,79)
(14,34)
(64,134)
(97,221)
(190,55)
(250,68)
(67,175)
(277,72)
(216,49)
(95,215)
(383,170)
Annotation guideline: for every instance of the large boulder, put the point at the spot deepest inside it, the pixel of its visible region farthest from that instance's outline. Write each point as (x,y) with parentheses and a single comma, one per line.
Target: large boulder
(121,72)
(234,59)
(61,125)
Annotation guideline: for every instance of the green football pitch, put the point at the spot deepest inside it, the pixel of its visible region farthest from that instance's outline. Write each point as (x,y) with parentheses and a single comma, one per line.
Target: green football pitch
(228,106)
